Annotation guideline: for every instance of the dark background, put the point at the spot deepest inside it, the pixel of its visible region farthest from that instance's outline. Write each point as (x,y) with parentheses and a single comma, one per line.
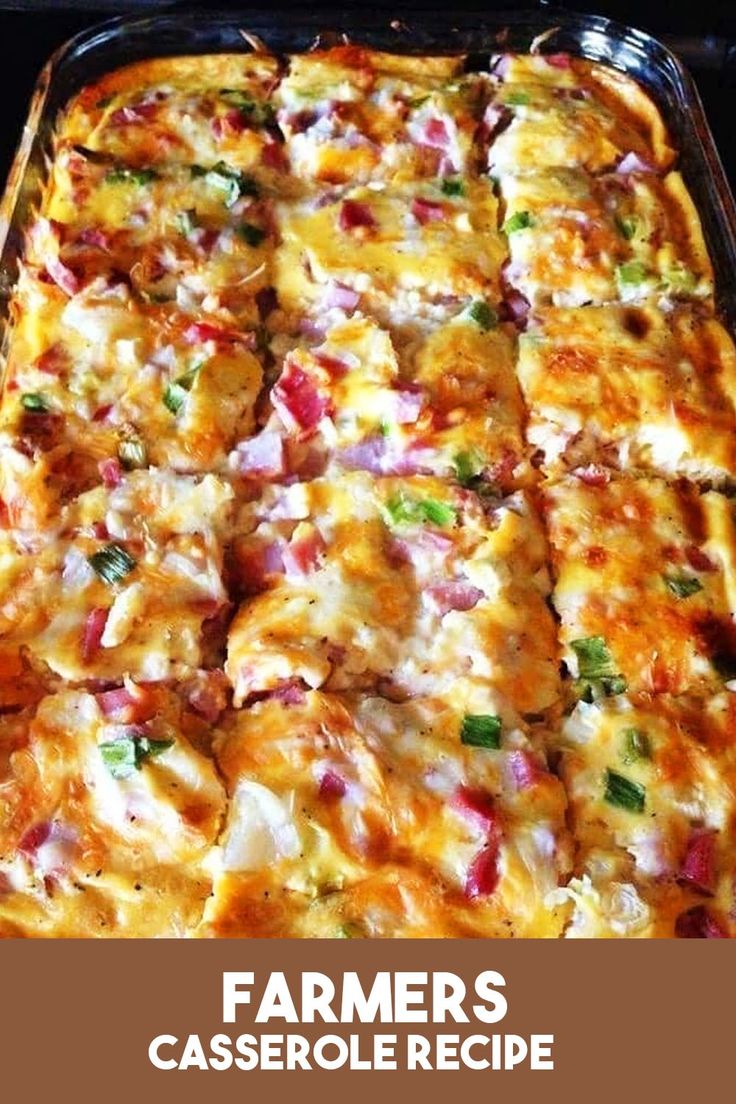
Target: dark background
(702,32)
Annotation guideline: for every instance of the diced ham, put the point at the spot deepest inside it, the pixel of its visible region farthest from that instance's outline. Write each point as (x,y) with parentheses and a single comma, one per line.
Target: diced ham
(261,457)
(525,769)
(111,472)
(290,692)
(517,306)
(207,695)
(297,401)
(200,332)
(332,365)
(454,595)
(367,455)
(483,875)
(53,361)
(436,135)
(593,475)
(102,413)
(698,560)
(94,627)
(355,215)
(698,923)
(126,706)
(273,156)
(301,555)
(478,807)
(426,210)
(558,61)
(409,405)
(34,838)
(632,162)
(698,866)
(132,113)
(100,531)
(337,295)
(62,275)
(230,124)
(331,785)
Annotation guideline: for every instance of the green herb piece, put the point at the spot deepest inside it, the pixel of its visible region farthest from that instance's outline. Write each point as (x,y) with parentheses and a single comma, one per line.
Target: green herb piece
(594,659)
(682,586)
(122,175)
(517,99)
(417,102)
(384,429)
(185,222)
(522,220)
(481,730)
(401,509)
(592,690)
(176,392)
(34,402)
(132,453)
(624,793)
(626,226)
(680,280)
(233,183)
(251,235)
(483,315)
(261,114)
(452,186)
(112,563)
(633,272)
(636,746)
(468,466)
(125,756)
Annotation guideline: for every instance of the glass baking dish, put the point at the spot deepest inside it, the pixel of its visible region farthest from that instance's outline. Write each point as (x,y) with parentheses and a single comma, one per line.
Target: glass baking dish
(114,43)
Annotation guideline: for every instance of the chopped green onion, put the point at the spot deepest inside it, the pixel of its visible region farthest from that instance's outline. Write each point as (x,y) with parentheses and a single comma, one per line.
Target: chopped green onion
(122,175)
(680,280)
(186,221)
(453,186)
(468,466)
(384,429)
(176,392)
(636,746)
(633,272)
(251,235)
(517,99)
(624,793)
(112,563)
(594,658)
(682,586)
(262,114)
(124,756)
(481,730)
(235,184)
(132,453)
(483,315)
(35,402)
(401,509)
(418,101)
(591,690)
(521,220)
(626,226)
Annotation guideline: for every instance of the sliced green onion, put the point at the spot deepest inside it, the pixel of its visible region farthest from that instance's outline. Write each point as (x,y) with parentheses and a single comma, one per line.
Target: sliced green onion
(402,509)
(233,183)
(624,793)
(468,466)
(418,101)
(680,280)
(121,175)
(633,272)
(112,563)
(132,453)
(125,756)
(483,315)
(591,690)
(594,658)
(262,114)
(176,392)
(186,221)
(251,235)
(626,226)
(682,586)
(636,746)
(35,402)
(481,730)
(517,99)
(452,186)
(521,220)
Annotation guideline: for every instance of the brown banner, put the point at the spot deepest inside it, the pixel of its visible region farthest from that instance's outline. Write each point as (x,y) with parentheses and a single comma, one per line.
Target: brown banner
(630,1021)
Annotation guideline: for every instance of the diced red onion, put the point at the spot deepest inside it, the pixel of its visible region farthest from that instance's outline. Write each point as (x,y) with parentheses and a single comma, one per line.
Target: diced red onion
(111,472)
(331,785)
(262,456)
(337,295)
(426,210)
(94,627)
(354,215)
(632,162)
(454,595)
